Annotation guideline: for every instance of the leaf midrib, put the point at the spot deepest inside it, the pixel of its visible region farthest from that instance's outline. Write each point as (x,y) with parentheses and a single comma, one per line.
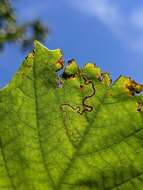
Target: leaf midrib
(38,126)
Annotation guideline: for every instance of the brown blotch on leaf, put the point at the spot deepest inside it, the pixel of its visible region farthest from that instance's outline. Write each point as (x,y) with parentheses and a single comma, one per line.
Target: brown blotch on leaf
(134,87)
(140,106)
(29,66)
(68,76)
(60,64)
(70,61)
(33,51)
(81,86)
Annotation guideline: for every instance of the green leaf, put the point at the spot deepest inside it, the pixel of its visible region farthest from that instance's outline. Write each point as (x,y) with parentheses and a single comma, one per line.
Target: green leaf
(85,134)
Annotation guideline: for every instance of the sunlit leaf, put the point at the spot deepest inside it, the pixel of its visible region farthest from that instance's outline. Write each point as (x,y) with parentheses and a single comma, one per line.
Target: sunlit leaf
(85,134)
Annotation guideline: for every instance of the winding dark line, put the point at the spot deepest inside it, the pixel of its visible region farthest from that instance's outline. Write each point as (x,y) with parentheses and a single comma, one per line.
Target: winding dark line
(86,107)
(87,82)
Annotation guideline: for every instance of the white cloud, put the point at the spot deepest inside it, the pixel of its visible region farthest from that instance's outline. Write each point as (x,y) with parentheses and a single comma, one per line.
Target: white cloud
(108,13)
(105,11)
(128,26)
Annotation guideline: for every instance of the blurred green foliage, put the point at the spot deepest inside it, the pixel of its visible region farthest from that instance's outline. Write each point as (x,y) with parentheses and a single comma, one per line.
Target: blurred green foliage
(11,31)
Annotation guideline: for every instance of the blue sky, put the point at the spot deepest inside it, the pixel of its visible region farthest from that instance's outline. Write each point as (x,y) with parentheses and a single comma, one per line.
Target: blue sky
(106,32)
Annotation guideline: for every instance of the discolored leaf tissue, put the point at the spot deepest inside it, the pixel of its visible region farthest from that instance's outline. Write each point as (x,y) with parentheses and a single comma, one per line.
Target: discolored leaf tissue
(70,130)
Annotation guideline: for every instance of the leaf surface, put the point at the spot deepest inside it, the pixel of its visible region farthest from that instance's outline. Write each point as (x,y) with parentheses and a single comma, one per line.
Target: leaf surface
(71,132)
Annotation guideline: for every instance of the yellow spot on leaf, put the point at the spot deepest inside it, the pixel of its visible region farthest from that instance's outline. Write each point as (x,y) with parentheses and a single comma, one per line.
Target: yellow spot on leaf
(132,87)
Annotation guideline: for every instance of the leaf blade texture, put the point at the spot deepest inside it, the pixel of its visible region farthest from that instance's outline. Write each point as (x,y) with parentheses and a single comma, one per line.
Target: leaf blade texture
(84,134)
